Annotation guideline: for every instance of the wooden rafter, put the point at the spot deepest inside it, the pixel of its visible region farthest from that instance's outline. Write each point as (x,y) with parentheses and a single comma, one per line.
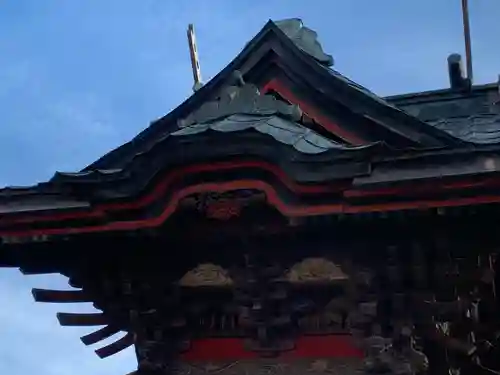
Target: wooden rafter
(99,335)
(60,296)
(81,320)
(119,345)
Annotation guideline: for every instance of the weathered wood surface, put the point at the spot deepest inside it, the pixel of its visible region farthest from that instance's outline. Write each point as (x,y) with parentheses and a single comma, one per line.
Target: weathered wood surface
(270,367)
(99,335)
(81,320)
(60,296)
(119,345)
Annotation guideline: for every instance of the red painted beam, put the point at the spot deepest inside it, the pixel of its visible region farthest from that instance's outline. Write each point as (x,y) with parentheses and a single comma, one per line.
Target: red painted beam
(221,349)
(273,199)
(169,179)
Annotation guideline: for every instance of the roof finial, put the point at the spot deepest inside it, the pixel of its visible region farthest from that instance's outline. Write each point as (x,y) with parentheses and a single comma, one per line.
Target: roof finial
(195,64)
(468,48)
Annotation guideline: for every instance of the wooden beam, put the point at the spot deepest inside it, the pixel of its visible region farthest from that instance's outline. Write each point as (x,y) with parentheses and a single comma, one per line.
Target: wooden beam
(59,296)
(99,335)
(117,346)
(28,271)
(81,320)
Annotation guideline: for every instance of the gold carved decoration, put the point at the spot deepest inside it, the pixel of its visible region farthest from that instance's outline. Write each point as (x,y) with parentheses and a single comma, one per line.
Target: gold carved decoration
(315,270)
(206,274)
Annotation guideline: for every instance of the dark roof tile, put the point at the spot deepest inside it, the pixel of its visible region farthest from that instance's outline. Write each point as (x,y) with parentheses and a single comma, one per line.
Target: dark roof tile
(473,116)
(284,131)
(481,128)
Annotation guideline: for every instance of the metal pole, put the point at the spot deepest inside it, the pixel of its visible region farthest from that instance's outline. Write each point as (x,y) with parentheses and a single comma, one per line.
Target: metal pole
(193,51)
(468,49)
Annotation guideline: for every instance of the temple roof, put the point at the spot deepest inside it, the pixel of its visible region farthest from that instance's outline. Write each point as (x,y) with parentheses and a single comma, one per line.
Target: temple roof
(297,53)
(281,101)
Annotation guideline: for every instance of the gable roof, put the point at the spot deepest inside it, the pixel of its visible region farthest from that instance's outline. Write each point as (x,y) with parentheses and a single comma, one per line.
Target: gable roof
(300,57)
(229,118)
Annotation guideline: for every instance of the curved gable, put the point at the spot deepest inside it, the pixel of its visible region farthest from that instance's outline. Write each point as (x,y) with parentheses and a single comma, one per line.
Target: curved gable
(289,53)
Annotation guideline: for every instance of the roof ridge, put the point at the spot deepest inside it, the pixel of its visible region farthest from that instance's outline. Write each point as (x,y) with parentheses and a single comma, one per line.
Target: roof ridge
(443,92)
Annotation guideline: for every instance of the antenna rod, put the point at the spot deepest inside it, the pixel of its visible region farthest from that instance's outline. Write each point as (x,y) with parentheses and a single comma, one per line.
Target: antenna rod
(468,49)
(193,51)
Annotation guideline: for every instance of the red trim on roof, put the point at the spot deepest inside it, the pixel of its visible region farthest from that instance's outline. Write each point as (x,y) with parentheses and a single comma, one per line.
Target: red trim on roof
(312,112)
(273,199)
(171,177)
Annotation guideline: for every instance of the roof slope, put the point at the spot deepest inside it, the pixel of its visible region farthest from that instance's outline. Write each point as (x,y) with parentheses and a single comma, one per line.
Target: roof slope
(472,115)
(296,50)
(241,122)
(227,106)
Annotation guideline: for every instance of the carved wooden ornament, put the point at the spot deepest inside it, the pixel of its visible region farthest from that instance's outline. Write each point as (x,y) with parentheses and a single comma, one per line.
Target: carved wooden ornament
(315,270)
(206,274)
(223,206)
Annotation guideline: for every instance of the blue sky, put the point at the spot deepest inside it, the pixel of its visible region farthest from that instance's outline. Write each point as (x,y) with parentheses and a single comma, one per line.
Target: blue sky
(78,78)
